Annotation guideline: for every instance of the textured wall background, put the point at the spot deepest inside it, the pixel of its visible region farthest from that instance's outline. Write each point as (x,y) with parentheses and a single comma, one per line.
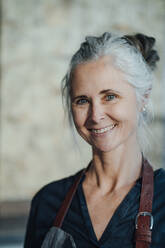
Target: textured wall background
(38,38)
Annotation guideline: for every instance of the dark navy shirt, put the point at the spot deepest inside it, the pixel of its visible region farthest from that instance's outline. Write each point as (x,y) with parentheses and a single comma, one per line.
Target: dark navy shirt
(120,229)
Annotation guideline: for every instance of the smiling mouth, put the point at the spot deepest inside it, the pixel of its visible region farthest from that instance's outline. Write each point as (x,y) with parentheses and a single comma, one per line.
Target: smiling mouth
(103,130)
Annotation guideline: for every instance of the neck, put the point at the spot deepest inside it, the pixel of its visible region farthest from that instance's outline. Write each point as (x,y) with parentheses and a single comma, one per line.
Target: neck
(115,169)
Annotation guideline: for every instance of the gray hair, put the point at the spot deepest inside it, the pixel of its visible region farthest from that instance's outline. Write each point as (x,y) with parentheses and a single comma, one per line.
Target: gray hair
(131,54)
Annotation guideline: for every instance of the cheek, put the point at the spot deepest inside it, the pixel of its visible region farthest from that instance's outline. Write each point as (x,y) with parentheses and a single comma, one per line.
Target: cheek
(126,112)
(79,117)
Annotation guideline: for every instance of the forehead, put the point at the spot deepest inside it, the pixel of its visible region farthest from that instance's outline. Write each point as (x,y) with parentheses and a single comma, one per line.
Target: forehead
(98,75)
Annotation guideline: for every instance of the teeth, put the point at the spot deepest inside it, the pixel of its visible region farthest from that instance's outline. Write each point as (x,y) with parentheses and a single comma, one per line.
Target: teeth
(103,130)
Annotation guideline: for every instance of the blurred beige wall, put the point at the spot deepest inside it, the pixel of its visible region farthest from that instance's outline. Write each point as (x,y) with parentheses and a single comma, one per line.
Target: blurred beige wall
(38,38)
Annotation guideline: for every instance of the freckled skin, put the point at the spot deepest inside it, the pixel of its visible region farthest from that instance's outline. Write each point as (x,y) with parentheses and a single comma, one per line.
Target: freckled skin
(101,97)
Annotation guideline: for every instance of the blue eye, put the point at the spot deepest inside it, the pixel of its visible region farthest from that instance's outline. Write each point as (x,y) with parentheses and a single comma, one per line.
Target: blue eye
(81,101)
(110,97)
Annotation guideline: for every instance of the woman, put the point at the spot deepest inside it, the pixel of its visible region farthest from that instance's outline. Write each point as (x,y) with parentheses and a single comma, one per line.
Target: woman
(107,90)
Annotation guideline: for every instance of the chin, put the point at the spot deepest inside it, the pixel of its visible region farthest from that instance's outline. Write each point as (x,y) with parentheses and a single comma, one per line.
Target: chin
(104,148)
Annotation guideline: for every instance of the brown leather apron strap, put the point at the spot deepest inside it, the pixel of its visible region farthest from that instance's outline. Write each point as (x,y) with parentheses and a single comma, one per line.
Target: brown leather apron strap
(67,201)
(144,219)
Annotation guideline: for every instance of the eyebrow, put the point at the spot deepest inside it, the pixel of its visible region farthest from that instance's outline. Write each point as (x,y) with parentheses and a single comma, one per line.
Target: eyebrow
(78,97)
(100,93)
(108,90)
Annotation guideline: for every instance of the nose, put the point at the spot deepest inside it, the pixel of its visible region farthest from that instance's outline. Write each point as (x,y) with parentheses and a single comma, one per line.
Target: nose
(96,112)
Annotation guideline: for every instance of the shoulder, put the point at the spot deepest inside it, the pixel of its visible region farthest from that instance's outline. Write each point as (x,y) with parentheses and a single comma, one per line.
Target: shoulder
(159,186)
(158,210)
(56,189)
(159,178)
(44,207)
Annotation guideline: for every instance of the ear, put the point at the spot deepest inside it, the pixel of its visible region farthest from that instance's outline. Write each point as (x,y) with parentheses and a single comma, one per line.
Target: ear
(147,94)
(145,99)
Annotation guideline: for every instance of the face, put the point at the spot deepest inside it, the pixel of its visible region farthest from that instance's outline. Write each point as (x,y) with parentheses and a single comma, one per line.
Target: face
(104,105)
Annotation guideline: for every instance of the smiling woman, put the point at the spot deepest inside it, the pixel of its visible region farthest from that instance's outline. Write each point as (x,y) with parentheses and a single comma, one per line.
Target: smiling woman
(107,90)
(104,105)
